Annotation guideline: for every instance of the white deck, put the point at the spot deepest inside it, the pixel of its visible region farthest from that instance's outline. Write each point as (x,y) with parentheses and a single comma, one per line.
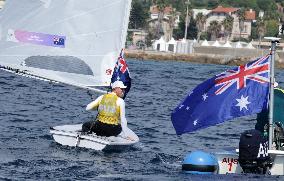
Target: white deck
(70,135)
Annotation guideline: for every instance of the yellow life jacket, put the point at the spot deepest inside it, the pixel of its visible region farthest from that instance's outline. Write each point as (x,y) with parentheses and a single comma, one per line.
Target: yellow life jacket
(109,112)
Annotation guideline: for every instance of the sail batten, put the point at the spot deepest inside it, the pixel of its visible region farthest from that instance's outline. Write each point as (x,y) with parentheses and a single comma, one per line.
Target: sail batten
(64,39)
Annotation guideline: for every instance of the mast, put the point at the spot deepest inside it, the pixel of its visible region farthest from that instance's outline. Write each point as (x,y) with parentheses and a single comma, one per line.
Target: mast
(186,19)
(273,40)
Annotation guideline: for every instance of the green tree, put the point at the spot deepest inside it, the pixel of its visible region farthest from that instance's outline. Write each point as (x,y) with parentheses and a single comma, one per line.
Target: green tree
(227,24)
(239,3)
(260,25)
(241,17)
(179,32)
(271,28)
(200,22)
(214,29)
(150,36)
(213,4)
(254,31)
(272,15)
(138,15)
(204,36)
(178,5)
(200,4)
(191,30)
(161,5)
(172,21)
(266,5)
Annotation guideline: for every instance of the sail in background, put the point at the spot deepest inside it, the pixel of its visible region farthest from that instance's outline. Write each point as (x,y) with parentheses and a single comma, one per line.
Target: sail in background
(69,41)
(237,92)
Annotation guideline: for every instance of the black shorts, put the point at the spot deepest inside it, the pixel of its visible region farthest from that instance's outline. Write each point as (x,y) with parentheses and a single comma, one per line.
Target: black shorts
(102,129)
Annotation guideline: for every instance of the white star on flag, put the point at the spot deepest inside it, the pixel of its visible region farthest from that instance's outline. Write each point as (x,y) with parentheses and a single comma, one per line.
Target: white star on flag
(187,108)
(243,102)
(195,122)
(204,97)
(181,106)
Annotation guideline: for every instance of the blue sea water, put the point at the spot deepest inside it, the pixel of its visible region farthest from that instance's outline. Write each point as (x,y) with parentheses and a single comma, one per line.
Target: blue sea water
(29,107)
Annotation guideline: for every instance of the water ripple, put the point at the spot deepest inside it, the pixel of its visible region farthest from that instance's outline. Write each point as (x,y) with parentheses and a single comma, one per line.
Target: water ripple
(30,107)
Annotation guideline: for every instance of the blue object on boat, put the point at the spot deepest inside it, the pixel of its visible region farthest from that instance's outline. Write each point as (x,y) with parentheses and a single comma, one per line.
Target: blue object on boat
(199,162)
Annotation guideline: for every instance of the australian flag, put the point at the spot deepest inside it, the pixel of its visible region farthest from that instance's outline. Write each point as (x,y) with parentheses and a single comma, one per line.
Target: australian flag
(58,41)
(121,73)
(234,93)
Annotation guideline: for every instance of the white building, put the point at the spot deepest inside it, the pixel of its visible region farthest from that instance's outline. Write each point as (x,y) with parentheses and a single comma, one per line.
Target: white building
(167,23)
(139,37)
(220,13)
(160,45)
(203,11)
(171,45)
(168,12)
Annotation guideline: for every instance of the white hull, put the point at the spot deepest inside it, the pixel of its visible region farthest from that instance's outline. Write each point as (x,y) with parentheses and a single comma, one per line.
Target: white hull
(70,135)
(228,162)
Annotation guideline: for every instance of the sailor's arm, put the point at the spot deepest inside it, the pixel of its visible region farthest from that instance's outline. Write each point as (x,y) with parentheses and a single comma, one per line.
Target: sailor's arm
(94,104)
(123,120)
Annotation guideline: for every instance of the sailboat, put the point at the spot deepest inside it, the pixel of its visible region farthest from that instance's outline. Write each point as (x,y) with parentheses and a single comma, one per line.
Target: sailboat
(241,91)
(67,42)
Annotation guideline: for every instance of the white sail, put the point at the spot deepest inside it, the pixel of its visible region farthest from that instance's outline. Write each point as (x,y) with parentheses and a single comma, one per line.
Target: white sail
(75,42)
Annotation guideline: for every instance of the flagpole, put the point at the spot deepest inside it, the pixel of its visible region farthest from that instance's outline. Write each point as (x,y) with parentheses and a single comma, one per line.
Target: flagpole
(273,40)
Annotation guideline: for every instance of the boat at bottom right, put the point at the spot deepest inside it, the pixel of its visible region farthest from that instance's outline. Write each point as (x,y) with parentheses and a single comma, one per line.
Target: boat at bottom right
(241,91)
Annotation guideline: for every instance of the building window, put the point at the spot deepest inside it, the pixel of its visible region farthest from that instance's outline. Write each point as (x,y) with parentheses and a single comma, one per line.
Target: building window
(245,28)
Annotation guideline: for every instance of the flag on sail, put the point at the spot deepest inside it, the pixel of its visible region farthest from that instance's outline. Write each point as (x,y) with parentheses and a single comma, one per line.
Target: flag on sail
(234,93)
(121,72)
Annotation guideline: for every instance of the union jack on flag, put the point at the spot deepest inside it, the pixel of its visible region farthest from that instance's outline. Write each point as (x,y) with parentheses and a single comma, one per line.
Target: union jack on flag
(121,64)
(121,72)
(237,92)
(58,41)
(256,71)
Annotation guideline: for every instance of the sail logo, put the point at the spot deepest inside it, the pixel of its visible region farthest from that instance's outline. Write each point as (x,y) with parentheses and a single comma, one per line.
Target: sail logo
(108,71)
(58,41)
(21,36)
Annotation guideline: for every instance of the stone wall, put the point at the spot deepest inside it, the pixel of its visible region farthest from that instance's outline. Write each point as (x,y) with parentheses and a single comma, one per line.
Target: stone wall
(212,55)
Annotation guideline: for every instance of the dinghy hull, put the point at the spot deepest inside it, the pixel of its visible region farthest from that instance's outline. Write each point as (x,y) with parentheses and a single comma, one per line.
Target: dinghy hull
(71,135)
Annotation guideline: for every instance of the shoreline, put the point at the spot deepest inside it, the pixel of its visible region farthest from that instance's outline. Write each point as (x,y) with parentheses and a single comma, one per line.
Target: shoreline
(199,57)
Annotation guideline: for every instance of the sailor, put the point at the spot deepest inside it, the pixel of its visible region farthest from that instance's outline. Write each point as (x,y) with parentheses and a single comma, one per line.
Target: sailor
(111,119)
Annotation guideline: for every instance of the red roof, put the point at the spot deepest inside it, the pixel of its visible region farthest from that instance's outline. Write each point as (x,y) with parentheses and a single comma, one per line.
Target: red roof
(221,9)
(250,15)
(168,10)
(155,10)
